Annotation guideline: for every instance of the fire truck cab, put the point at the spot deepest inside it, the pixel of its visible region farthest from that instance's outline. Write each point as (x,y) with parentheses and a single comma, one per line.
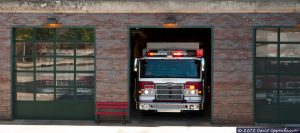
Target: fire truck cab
(170,80)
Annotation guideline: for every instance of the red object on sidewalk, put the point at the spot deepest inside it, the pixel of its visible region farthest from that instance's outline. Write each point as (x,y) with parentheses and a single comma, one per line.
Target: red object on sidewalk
(111,109)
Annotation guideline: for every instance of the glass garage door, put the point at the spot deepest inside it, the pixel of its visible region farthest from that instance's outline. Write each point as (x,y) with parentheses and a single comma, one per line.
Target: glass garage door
(54,73)
(277,75)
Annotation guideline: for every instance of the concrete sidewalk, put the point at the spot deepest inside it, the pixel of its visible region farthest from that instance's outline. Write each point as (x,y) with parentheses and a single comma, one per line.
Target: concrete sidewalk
(110,129)
(146,126)
(85,126)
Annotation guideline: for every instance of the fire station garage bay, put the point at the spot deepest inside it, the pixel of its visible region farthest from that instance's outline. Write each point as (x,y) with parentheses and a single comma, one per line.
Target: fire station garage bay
(180,64)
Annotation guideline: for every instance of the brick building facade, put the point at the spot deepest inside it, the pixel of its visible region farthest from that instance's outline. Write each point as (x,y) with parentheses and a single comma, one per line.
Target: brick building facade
(232,85)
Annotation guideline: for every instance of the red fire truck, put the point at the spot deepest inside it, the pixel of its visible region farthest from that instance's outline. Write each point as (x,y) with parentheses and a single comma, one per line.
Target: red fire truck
(170,80)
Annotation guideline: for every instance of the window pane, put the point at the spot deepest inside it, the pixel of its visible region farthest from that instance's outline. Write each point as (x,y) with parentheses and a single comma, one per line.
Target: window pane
(291,97)
(289,50)
(44,79)
(64,79)
(65,64)
(266,50)
(266,82)
(290,66)
(289,82)
(24,34)
(84,93)
(45,94)
(266,34)
(45,34)
(85,64)
(85,79)
(64,49)
(64,93)
(265,65)
(85,34)
(24,94)
(24,49)
(54,49)
(85,49)
(290,35)
(65,34)
(44,49)
(24,78)
(24,63)
(44,63)
(266,97)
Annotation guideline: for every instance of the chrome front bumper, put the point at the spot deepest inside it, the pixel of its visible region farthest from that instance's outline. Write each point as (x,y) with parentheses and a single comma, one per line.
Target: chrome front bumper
(189,99)
(170,107)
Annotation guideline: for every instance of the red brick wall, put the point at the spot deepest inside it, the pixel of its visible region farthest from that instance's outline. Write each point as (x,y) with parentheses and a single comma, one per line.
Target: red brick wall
(5,81)
(233,34)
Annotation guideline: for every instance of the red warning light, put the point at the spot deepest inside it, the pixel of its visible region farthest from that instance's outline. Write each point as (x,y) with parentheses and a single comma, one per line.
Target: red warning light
(200,53)
(177,53)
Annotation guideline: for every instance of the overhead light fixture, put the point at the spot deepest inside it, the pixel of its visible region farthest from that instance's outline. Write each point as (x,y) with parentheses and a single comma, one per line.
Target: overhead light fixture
(52,23)
(170,22)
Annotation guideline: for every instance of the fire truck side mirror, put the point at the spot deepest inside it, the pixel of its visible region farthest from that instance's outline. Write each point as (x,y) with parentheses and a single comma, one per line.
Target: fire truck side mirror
(135,64)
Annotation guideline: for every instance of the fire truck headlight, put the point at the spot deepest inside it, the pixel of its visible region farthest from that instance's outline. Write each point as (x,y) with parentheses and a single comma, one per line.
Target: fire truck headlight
(148,92)
(190,92)
(152,92)
(193,92)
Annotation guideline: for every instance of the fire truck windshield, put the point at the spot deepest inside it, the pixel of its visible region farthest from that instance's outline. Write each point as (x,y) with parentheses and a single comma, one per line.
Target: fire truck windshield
(175,68)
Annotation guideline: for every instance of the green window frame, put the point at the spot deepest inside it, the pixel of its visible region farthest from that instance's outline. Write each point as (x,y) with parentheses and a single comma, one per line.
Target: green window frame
(54,64)
(276,74)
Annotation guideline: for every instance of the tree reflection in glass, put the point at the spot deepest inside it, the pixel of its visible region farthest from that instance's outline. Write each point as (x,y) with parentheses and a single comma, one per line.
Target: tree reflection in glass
(24,63)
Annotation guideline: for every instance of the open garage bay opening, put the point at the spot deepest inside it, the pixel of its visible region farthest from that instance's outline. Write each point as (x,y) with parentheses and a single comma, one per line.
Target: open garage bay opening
(140,38)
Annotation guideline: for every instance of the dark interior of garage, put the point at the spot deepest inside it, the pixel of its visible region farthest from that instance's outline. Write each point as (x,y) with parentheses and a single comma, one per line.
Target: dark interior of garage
(138,41)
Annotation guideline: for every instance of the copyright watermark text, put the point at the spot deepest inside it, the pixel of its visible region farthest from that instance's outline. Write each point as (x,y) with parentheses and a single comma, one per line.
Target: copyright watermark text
(268,130)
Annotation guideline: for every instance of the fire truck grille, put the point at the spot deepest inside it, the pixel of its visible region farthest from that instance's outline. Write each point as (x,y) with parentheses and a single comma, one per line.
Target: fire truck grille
(166,86)
(169,92)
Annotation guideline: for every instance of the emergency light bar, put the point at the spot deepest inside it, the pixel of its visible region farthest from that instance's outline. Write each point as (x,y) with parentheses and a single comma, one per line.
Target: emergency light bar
(175,53)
